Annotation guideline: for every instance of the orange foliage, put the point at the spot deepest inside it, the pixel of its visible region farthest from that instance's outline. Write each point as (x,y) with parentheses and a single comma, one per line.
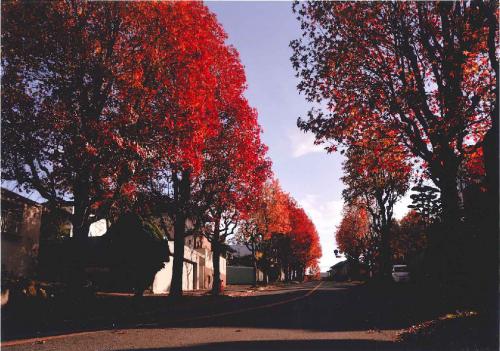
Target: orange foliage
(352,231)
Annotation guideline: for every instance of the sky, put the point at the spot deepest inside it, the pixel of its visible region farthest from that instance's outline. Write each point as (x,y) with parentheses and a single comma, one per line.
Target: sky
(261,32)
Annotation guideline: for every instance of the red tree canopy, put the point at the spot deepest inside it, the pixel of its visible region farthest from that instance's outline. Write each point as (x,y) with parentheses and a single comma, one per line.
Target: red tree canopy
(235,166)
(282,230)
(103,95)
(353,230)
(425,70)
(304,239)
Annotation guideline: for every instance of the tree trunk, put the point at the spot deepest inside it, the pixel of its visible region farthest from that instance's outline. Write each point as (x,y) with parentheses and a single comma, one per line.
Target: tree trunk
(491,147)
(384,231)
(81,226)
(181,195)
(450,200)
(490,238)
(254,262)
(178,264)
(216,248)
(449,240)
(81,229)
(80,217)
(385,252)
(491,142)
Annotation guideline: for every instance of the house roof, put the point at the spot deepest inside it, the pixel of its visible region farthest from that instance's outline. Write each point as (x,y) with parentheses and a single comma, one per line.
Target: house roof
(240,250)
(339,265)
(10,195)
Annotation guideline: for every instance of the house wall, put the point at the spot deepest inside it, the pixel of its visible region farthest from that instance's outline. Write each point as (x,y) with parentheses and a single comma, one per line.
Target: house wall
(223,271)
(242,275)
(209,269)
(163,277)
(20,251)
(98,228)
(197,271)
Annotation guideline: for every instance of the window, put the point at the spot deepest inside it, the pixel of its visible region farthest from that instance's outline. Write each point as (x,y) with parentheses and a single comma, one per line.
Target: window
(197,244)
(12,218)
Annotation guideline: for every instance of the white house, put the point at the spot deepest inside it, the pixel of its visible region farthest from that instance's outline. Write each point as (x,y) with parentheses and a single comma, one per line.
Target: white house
(198,267)
(198,261)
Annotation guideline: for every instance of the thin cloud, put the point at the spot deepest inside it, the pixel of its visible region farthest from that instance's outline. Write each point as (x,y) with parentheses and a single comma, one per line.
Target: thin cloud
(303,143)
(326,216)
(401,207)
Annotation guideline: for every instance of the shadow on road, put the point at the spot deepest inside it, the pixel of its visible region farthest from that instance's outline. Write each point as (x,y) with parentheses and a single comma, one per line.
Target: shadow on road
(330,308)
(333,307)
(290,345)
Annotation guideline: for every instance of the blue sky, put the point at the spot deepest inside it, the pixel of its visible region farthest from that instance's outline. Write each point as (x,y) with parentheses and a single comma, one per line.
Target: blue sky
(261,32)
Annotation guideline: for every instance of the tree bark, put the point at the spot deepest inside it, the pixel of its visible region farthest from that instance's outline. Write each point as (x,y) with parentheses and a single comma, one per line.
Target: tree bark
(385,252)
(216,248)
(491,147)
(254,261)
(80,217)
(491,154)
(384,230)
(450,200)
(81,226)
(491,143)
(450,230)
(181,195)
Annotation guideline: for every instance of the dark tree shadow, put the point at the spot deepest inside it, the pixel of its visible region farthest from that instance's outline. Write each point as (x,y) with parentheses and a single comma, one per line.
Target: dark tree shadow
(299,345)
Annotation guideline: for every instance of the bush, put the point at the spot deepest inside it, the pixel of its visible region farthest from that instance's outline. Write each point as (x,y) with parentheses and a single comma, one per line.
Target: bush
(138,249)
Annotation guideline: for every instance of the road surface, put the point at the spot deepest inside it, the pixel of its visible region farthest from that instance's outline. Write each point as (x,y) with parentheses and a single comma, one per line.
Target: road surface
(309,316)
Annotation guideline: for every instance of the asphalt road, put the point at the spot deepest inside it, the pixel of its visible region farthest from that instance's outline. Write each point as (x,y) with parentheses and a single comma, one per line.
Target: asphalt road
(309,316)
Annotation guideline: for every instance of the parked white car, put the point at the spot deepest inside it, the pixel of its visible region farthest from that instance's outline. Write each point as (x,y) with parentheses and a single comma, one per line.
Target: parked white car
(400,273)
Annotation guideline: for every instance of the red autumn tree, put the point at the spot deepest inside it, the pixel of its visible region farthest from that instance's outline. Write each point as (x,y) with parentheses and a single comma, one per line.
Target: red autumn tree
(202,121)
(64,112)
(377,173)
(235,166)
(315,272)
(425,70)
(87,92)
(94,90)
(280,234)
(353,231)
(409,237)
(305,249)
(268,216)
(273,215)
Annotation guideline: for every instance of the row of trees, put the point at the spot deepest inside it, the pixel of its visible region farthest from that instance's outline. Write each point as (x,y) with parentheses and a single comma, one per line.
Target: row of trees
(408,89)
(280,236)
(130,107)
(407,239)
